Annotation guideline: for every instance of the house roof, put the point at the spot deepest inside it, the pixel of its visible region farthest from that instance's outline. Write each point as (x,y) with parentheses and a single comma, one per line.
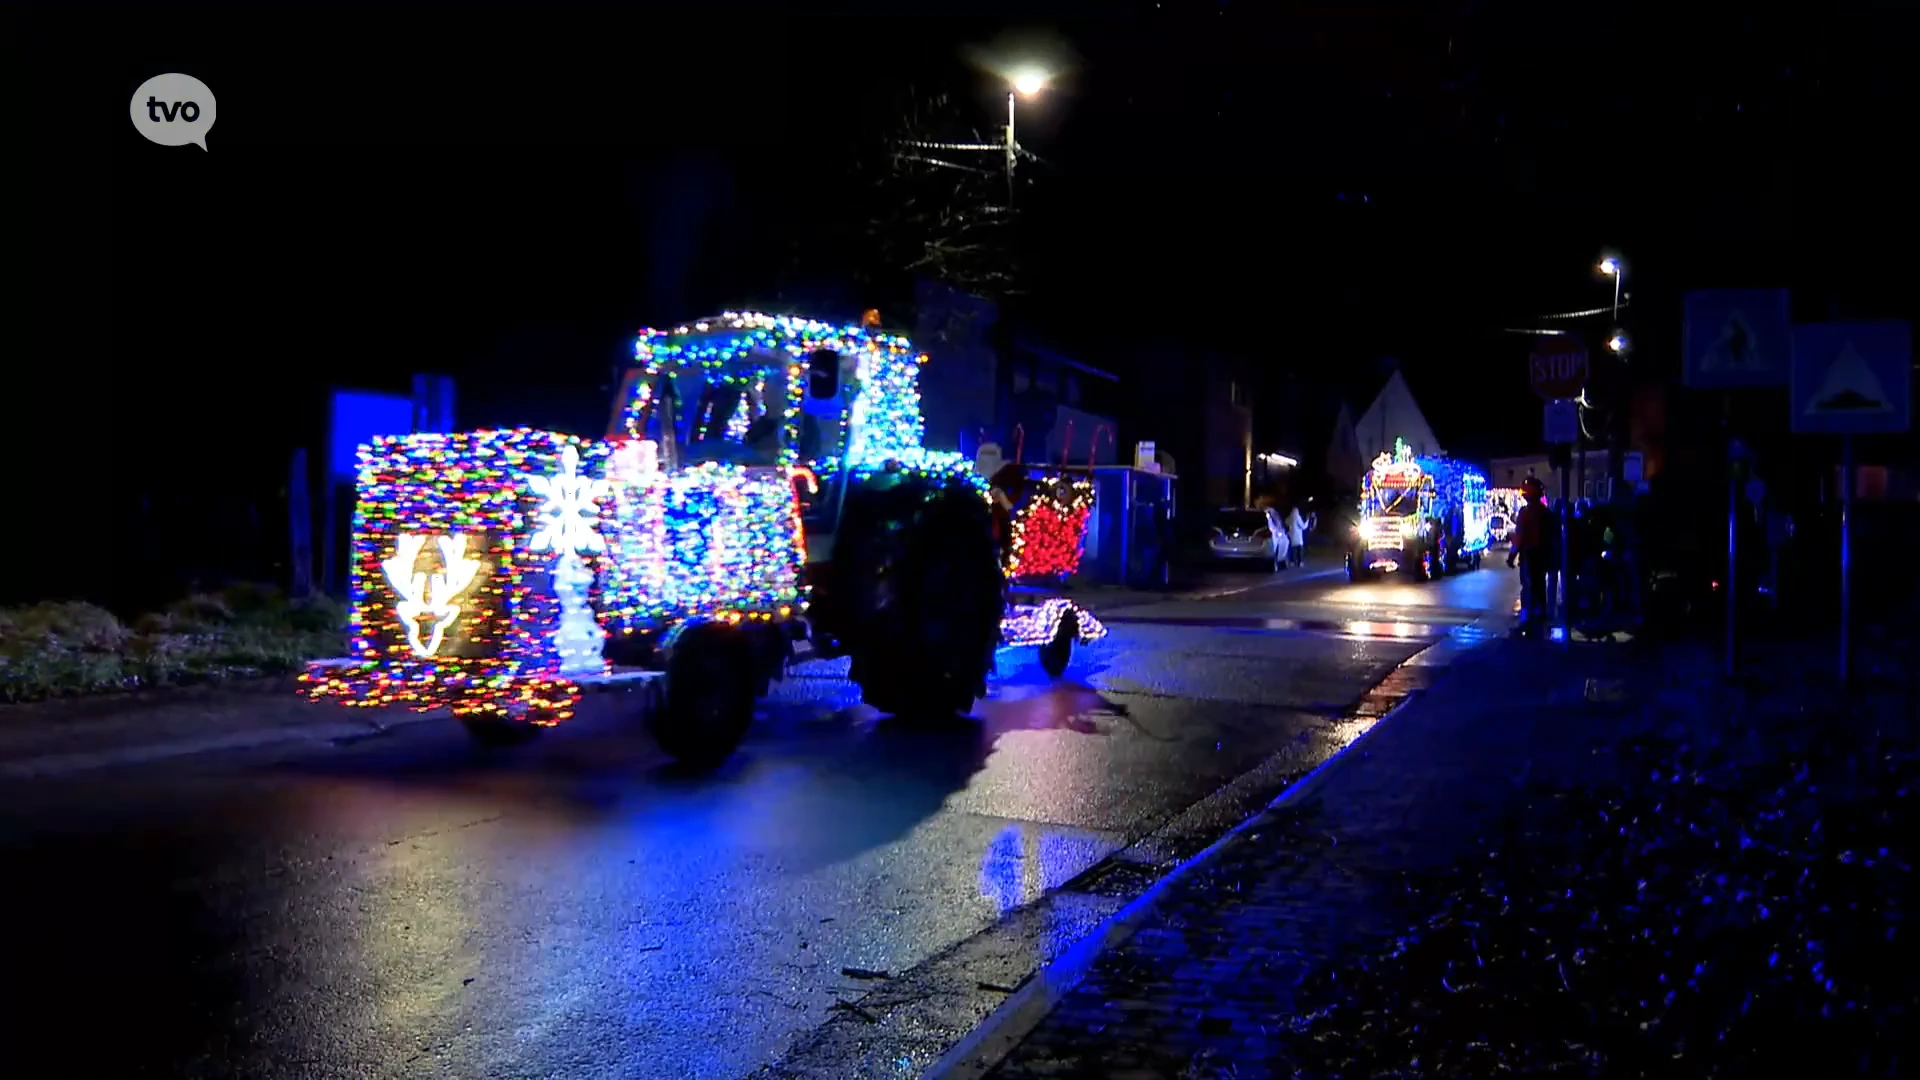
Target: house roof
(1363,384)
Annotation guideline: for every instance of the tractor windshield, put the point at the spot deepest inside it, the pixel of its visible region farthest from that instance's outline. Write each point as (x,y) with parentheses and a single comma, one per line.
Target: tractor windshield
(735,415)
(1394,499)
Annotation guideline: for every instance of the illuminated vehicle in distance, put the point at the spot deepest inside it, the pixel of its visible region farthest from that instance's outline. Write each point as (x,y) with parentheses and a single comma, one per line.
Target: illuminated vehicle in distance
(1247,536)
(763,485)
(1498,528)
(1423,516)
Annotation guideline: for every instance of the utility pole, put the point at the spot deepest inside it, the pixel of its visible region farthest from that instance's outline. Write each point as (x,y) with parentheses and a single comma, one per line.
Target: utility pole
(1619,416)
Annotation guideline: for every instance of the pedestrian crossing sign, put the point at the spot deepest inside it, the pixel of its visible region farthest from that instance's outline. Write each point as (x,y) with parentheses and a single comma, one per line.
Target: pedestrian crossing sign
(1737,338)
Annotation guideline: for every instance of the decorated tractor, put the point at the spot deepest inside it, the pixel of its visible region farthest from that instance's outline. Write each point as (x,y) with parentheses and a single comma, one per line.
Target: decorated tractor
(1423,516)
(763,492)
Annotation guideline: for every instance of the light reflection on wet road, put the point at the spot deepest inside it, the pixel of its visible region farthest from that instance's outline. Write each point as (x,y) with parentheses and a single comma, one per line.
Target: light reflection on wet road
(410,906)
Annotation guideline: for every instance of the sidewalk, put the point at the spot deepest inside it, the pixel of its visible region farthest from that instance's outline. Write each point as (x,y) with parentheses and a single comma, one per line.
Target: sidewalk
(1334,935)
(55,738)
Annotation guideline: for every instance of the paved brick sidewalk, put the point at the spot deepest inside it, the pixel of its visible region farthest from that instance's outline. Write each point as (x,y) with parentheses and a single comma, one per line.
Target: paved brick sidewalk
(1202,987)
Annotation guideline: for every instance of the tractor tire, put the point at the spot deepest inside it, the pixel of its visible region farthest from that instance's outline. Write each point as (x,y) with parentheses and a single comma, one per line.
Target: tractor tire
(709,698)
(921,593)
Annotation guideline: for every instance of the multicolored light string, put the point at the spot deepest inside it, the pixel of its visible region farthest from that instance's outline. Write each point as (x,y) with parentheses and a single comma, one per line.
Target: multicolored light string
(494,650)
(751,351)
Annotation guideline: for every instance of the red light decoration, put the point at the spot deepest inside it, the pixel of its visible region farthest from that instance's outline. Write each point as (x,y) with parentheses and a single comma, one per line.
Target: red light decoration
(1049,529)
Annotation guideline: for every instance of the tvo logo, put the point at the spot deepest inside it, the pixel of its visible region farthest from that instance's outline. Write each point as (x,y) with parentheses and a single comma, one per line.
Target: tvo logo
(173,110)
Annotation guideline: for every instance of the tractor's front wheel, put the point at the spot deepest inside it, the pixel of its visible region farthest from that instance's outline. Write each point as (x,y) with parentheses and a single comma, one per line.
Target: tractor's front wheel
(708,703)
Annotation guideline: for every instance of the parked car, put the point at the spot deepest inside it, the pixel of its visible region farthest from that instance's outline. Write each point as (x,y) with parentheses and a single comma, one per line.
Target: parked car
(1246,535)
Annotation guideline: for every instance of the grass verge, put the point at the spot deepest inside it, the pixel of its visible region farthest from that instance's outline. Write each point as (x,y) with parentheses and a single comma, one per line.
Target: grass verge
(64,649)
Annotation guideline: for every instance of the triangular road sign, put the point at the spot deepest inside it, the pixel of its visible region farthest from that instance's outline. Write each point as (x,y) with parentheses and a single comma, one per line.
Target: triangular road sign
(1852,378)
(1850,386)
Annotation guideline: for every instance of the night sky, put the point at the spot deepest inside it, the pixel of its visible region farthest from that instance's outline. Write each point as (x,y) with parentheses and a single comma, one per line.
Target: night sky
(506,196)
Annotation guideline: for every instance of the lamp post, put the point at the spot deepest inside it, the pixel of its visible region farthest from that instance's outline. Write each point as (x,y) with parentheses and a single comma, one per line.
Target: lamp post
(1611,266)
(1025,84)
(1028,83)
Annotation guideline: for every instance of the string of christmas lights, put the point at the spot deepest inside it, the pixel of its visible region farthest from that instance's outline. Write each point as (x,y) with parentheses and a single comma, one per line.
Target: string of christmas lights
(1049,529)
(748,349)
(709,541)
(1039,623)
(472,620)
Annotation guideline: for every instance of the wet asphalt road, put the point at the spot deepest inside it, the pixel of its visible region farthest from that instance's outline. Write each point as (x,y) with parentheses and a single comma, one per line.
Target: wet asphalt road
(410,906)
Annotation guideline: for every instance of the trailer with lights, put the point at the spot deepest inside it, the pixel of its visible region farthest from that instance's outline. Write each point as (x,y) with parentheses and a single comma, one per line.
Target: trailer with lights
(763,494)
(1042,513)
(1504,507)
(1422,516)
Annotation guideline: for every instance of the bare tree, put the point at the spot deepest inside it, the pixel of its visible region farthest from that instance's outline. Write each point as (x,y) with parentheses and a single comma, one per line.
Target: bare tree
(943,201)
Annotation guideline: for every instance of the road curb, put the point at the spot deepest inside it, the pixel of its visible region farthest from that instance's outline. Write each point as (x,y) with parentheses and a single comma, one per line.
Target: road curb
(988,1044)
(53,765)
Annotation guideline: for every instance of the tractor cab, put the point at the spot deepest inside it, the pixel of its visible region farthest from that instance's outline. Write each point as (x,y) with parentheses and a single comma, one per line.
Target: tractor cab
(822,401)
(740,411)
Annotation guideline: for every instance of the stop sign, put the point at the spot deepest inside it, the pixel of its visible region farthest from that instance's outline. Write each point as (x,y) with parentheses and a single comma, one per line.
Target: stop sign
(1558,367)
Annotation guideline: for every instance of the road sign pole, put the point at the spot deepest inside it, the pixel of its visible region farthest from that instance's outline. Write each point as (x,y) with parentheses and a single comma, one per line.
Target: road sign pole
(1733,536)
(1580,459)
(1565,590)
(1846,556)
(1733,559)
(1851,378)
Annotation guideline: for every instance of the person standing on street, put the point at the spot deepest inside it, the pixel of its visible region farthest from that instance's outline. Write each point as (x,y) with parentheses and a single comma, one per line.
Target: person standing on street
(1533,548)
(1296,536)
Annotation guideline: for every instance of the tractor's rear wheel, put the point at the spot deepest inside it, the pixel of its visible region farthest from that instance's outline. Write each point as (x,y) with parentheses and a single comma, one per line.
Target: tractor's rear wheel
(922,593)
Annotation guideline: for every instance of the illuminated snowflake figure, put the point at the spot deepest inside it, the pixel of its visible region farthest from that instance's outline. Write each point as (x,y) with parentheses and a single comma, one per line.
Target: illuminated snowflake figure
(569,518)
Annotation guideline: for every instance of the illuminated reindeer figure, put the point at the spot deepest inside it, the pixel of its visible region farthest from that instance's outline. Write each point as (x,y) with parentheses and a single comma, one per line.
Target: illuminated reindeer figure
(429,598)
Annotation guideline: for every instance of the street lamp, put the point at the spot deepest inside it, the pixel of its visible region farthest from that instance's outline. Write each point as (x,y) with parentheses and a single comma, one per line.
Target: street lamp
(1612,267)
(1025,83)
